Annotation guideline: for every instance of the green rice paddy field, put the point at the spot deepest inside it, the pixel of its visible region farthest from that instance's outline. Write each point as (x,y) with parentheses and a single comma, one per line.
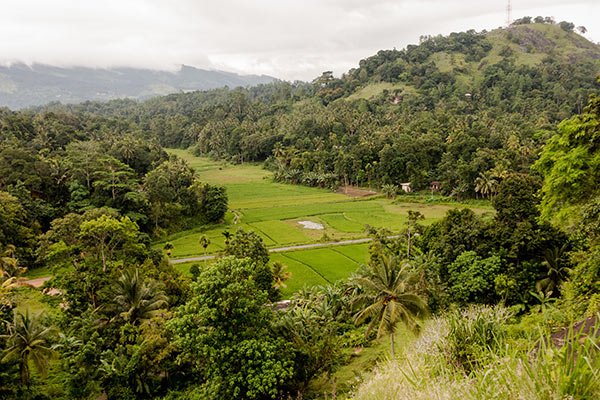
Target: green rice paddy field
(273,210)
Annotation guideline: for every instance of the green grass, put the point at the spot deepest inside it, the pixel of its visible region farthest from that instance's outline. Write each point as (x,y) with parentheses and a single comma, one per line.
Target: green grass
(250,186)
(357,252)
(184,268)
(35,301)
(187,244)
(252,195)
(447,62)
(302,275)
(281,232)
(361,360)
(343,222)
(312,267)
(273,211)
(375,89)
(331,265)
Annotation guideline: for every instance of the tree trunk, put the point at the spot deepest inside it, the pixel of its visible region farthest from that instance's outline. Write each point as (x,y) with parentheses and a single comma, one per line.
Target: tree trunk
(392,342)
(24,371)
(103,259)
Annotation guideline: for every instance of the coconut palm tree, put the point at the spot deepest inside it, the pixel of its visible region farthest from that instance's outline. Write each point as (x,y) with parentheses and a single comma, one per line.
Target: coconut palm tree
(389,190)
(280,274)
(228,235)
(135,298)
(486,185)
(27,340)
(557,270)
(204,242)
(386,298)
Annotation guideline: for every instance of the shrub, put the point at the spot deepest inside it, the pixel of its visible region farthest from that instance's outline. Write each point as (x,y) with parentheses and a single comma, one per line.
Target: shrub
(548,373)
(472,279)
(474,336)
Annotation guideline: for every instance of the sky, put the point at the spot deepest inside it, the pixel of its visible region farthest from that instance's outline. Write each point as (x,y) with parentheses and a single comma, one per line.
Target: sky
(287,39)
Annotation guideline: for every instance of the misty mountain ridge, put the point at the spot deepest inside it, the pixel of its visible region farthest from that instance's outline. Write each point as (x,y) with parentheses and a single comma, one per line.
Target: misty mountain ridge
(23,86)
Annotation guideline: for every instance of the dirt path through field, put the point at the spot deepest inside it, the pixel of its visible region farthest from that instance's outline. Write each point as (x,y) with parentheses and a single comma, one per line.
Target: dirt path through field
(37,282)
(281,249)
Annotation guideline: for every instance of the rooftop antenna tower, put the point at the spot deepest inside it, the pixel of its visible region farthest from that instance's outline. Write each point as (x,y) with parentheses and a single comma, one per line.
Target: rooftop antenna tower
(508,13)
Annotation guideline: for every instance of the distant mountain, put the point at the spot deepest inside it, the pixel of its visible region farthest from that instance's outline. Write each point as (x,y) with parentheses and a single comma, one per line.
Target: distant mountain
(23,86)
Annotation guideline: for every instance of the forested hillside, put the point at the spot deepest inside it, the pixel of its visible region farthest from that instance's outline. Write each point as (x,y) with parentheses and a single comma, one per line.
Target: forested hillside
(465,110)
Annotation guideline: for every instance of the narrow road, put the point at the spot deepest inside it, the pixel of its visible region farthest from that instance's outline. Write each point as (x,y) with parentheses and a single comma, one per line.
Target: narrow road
(37,282)
(281,249)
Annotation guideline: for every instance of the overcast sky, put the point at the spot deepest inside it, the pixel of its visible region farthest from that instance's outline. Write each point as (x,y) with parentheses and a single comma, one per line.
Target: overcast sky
(288,39)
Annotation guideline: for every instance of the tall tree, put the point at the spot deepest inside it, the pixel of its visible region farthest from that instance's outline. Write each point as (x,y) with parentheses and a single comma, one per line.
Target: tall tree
(570,163)
(227,332)
(486,185)
(248,244)
(135,298)
(280,274)
(9,265)
(387,297)
(107,235)
(204,242)
(29,340)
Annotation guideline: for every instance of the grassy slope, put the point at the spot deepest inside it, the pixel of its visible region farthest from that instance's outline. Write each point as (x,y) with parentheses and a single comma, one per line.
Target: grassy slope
(375,89)
(353,375)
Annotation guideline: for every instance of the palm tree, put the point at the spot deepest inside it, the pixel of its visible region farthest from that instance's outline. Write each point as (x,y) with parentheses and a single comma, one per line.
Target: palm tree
(280,274)
(204,241)
(389,190)
(29,340)
(168,248)
(486,185)
(228,235)
(557,270)
(135,298)
(386,298)
(412,229)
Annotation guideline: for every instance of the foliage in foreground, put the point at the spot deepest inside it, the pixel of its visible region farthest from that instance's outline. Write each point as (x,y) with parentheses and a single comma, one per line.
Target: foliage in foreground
(540,372)
(226,333)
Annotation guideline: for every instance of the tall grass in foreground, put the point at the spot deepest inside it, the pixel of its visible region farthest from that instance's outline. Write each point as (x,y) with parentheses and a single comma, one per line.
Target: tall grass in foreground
(546,372)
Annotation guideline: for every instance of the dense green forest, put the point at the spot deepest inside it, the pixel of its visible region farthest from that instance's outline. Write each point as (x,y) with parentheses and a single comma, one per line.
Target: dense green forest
(464,110)
(511,116)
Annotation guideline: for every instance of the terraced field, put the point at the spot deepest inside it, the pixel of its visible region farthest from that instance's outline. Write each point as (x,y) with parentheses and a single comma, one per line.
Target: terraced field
(274,210)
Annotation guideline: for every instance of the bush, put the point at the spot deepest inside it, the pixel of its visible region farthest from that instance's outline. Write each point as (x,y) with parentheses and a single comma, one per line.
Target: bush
(570,371)
(472,279)
(213,202)
(474,336)
(547,373)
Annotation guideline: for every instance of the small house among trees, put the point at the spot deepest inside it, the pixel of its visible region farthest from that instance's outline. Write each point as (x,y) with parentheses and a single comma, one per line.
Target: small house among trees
(436,186)
(406,187)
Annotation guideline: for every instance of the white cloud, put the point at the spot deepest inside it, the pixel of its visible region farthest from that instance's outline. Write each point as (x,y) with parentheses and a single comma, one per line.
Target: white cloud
(290,39)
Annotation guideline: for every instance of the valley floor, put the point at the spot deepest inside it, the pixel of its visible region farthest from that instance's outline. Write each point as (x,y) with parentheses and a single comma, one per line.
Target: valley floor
(275,210)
